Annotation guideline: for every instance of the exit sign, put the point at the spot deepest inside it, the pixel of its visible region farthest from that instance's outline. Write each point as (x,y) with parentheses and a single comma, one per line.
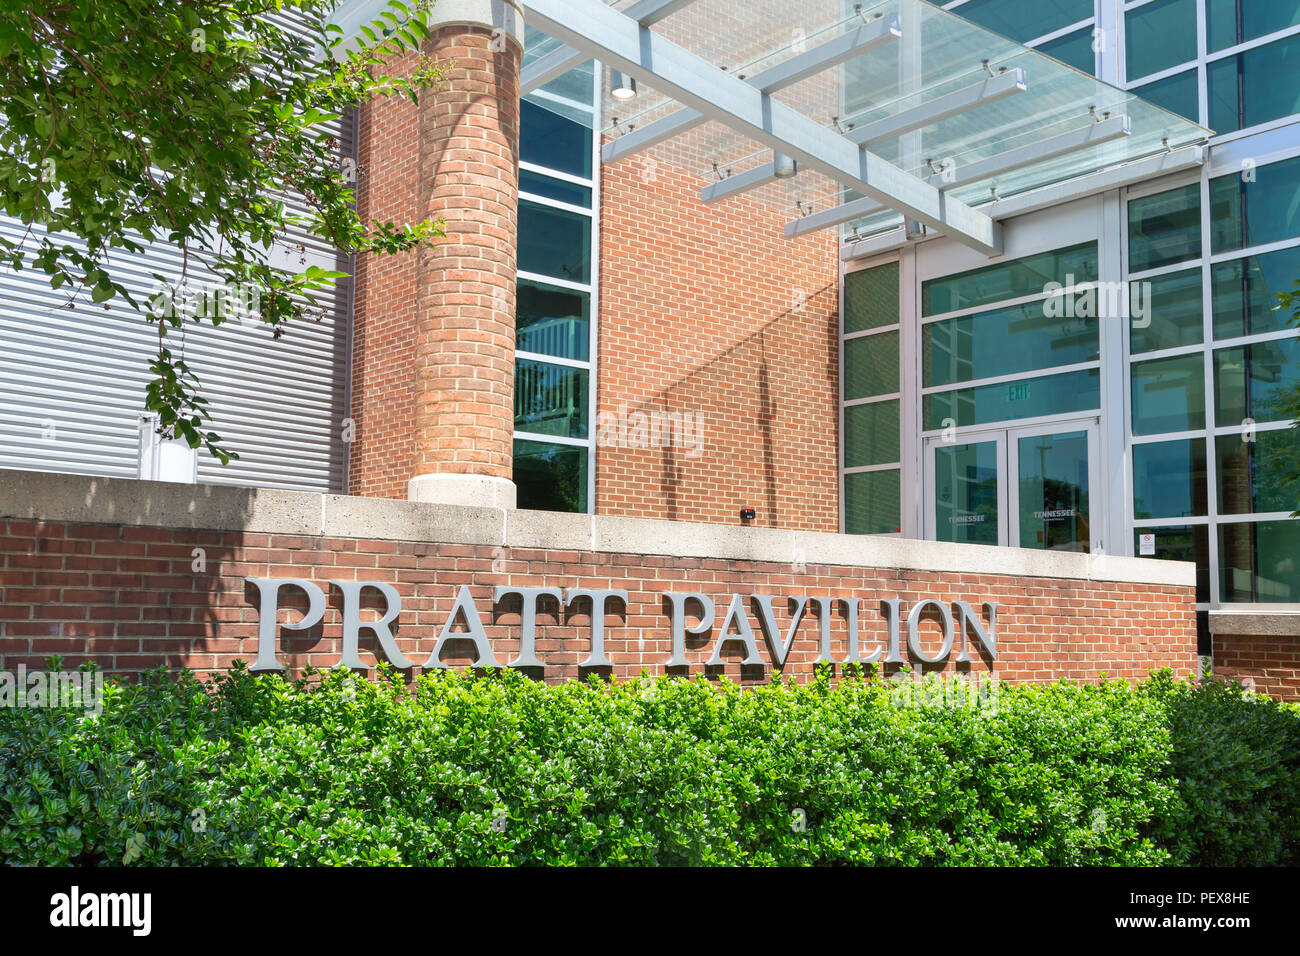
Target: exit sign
(1018,392)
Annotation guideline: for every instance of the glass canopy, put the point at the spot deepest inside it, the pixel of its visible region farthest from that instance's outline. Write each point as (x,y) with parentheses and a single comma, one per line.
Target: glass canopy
(932,59)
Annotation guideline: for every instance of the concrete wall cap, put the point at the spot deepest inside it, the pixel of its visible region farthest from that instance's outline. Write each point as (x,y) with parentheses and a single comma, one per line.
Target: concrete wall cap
(41,496)
(1258,623)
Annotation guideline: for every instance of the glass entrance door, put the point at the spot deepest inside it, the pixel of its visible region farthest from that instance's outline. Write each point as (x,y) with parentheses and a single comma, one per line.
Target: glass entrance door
(969,493)
(1029,487)
(1051,471)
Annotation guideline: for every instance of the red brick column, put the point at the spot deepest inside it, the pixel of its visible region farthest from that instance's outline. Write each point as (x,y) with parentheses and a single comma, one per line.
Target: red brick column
(436,396)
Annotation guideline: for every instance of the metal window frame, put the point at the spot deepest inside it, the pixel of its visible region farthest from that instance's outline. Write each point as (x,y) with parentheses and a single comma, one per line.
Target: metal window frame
(556,174)
(1201,63)
(1041,237)
(1208,347)
(592,290)
(842,470)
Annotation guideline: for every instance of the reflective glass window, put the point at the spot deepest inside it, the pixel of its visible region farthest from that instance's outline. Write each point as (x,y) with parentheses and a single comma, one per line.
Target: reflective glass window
(1170,479)
(1009,280)
(1007,401)
(550,477)
(871,434)
(1260,475)
(1159,35)
(1259,561)
(1169,395)
(872,502)
(1164,228)
(1173,312)
(1248,89)
(1256,381)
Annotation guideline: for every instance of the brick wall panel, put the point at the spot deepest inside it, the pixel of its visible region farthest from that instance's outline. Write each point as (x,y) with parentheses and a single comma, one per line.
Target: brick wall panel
(1047,628)
(711,310)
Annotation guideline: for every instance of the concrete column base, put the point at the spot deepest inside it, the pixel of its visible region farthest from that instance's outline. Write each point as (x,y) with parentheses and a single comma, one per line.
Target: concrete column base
(476,491)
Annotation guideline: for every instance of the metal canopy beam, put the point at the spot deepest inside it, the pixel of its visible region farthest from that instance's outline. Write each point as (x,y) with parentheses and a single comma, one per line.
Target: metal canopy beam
(863,39)
(1092,135)
(809,63)
(555,64)
(941,108)
(917,117)
(631,48)
(1162,164)
(739,183)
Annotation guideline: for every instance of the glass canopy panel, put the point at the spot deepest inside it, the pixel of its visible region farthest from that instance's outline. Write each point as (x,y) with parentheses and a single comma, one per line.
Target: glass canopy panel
(937,54)
(570,95)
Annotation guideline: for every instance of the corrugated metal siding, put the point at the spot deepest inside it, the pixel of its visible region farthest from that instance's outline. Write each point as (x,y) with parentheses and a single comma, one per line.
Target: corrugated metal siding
(72,380)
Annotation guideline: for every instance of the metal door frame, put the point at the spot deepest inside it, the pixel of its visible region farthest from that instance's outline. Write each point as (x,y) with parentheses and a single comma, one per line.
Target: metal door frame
(1006,437)
(1091,426)
(966,437)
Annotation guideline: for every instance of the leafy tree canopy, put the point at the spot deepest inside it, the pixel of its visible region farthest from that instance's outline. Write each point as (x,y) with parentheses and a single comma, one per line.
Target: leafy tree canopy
(191,122)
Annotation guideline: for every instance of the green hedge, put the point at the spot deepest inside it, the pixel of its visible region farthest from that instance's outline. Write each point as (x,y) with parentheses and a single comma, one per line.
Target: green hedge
(503,770)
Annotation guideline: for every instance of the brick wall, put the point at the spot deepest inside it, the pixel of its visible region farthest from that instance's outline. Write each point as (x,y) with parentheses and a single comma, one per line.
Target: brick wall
(1270,663)
(132,597)
(711,310)
(382,453)
(465,322)
(702,309)
(433,331)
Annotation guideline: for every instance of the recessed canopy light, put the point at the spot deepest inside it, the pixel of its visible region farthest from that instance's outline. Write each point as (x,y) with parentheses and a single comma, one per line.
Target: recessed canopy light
(621,87)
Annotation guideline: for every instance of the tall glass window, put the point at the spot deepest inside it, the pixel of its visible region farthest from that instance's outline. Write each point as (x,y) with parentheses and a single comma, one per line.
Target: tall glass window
(1210,367)
(1211,374)
(1175,312)
(1159,35)
(1058,28)
(1244,89)
(1260,205)
(554,317)
(1164,228)
(871,414)
(1230,22)
(1249,45)
(1015,340)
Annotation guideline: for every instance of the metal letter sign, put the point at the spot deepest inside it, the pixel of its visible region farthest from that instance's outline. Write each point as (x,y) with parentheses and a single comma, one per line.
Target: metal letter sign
(960,621)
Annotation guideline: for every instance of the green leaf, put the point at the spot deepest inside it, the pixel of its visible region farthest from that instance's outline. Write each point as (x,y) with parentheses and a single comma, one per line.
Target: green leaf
(229,124)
